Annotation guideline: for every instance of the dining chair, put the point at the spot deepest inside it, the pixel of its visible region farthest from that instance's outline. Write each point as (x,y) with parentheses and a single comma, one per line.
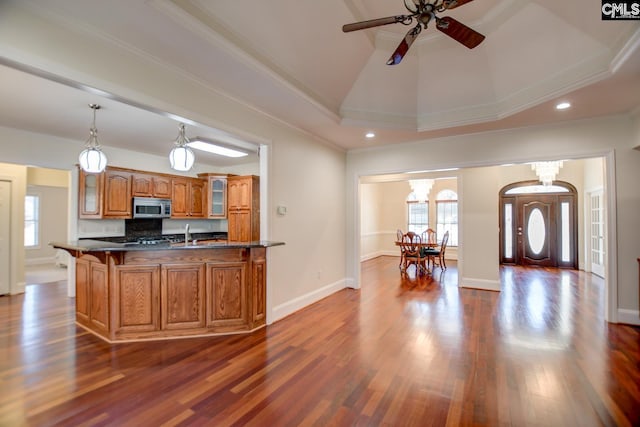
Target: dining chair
(399,235)
(411,246)
(433,254)
(429,237)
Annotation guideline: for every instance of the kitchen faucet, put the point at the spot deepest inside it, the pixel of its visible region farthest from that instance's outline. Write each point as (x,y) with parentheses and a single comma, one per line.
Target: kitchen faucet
(187,237)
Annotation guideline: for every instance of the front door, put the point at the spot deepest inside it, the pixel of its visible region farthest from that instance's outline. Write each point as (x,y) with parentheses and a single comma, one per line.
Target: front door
(536,231)
(538,225)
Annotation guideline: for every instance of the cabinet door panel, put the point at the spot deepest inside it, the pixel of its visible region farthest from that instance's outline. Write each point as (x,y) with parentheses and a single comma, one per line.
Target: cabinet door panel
(99,297)
(227,301)
(183,296)
(161,187)
(197,198)
(117,197)
(137,294)
(259,291)
(82,290)
(90,195)
(179,195)
(141,186)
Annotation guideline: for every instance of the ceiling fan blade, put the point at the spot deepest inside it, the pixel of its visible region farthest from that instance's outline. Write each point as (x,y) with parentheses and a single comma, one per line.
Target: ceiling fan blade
(452,4)
(459,32)
(375,23)
(404,45)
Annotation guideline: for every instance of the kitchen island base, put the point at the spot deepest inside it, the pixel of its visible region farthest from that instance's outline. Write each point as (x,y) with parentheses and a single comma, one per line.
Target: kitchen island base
(161,294)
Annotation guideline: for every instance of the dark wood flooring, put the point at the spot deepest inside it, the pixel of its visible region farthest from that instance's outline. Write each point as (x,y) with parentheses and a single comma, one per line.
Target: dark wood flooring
(402,351)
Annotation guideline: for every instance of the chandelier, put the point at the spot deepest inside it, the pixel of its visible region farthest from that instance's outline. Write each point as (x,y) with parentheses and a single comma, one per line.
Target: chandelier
(92,159)
(547,171)
(421,188)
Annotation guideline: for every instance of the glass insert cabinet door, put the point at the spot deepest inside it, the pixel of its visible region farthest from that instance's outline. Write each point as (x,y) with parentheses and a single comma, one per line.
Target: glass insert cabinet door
(217,197)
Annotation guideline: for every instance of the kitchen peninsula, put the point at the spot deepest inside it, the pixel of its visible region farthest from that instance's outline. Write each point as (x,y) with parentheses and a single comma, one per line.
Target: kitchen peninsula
(130,292)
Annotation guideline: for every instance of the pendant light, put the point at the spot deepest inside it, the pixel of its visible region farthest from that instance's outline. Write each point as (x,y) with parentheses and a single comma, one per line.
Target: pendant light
(547,171)
(181,156)
(92,159)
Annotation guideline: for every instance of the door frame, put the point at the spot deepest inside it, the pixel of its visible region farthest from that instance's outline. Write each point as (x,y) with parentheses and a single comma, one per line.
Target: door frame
(516,200)
(5,274)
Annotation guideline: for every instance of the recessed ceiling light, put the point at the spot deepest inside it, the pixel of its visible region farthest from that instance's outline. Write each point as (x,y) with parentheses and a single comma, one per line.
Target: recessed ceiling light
(215,149)
(563,106)
(370,135)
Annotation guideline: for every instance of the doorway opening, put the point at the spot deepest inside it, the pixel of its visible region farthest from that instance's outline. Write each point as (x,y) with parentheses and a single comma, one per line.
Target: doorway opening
(539,224)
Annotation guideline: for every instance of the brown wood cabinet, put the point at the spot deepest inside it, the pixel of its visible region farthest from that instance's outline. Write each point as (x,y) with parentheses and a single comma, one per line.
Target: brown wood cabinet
(117,194)
(163,293)
(92,294)
(227,296)
(243,212)
(188,197)
(183,296)
(105,195)
(148,185)
(216,194)
(136,291)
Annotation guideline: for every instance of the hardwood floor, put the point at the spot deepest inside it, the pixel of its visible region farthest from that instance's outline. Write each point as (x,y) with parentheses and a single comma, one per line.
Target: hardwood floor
(399,352)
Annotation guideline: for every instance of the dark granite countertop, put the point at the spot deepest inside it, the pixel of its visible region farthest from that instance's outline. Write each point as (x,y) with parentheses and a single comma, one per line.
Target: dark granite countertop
(91,245)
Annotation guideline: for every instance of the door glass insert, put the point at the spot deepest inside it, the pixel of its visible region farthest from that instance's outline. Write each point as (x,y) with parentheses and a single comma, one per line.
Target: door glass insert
(508,231)
(566,238)
(536,231)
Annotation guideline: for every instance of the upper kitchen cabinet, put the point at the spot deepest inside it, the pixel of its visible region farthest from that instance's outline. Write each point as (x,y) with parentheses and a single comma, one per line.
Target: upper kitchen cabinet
(105,195)
(243,212)
(216,195)
(188,198)
(148,185)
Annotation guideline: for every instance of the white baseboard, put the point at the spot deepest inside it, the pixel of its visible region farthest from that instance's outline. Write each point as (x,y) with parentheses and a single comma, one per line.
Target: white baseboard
(19,289)
(629,317)
(39,261)
(482,284)
(290,307)
(377,254)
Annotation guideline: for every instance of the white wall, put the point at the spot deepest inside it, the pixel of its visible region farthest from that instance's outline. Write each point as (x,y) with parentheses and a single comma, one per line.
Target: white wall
(612,137)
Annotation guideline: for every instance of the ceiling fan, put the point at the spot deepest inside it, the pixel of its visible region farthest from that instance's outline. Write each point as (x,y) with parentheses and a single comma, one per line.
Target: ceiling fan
(423,11)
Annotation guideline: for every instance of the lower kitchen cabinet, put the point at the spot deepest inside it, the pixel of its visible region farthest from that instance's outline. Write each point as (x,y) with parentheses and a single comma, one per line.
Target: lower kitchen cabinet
(155,294)
(136,292)
(92,294)
(182,305)
(227,296)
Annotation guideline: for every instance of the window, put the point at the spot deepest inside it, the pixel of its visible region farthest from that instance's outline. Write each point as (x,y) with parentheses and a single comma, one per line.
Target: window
(447,215)
(31,220)
(418,214)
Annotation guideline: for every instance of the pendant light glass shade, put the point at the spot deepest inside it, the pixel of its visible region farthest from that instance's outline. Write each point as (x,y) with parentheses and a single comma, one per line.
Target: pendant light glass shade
(92,159)
(181,157)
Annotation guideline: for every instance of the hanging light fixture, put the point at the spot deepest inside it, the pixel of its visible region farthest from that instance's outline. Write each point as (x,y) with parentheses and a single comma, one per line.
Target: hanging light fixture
(421,188)
(92,159)
(547,171)
(181,156)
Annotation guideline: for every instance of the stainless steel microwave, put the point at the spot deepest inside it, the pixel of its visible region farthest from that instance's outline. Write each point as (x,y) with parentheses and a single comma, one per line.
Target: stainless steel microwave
(147,207)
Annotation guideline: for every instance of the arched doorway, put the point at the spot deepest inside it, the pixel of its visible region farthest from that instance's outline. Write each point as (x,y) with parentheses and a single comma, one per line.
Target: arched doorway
(538,224)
